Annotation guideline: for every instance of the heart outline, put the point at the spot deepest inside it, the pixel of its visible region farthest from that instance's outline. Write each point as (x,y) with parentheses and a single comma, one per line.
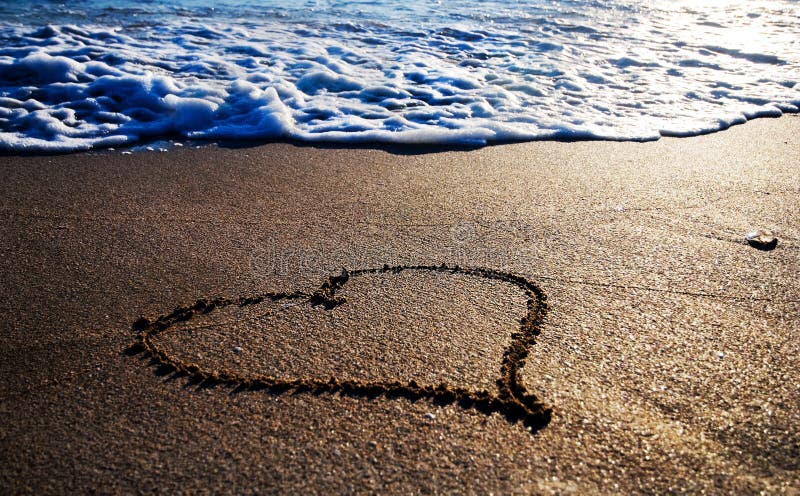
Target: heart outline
(512,398)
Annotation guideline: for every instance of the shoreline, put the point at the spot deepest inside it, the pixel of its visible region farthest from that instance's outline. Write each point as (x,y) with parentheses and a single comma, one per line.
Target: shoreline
(667,353)
(175,143)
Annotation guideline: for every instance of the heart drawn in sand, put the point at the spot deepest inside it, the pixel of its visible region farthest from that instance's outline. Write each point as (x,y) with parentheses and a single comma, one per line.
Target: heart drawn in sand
(313,327)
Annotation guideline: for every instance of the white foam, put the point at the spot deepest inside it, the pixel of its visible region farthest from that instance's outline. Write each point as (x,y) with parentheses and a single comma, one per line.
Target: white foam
(417,74)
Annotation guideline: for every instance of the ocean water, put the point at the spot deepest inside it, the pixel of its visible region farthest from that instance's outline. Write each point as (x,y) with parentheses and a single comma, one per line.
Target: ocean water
(107,73)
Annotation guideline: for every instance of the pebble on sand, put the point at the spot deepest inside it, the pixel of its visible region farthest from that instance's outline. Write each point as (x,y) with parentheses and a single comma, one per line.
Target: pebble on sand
(761,239)
(237,349)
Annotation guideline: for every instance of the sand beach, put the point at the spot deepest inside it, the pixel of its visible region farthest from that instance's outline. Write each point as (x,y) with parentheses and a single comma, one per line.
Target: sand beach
(666,358)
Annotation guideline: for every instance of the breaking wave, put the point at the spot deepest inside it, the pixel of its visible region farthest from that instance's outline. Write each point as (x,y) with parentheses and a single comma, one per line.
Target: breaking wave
(117,73)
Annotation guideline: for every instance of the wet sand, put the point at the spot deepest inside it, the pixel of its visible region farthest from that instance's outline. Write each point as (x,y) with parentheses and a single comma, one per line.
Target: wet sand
(667,354)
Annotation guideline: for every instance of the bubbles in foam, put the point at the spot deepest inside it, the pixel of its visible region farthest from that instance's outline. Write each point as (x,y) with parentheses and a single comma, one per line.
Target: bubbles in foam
(381,73)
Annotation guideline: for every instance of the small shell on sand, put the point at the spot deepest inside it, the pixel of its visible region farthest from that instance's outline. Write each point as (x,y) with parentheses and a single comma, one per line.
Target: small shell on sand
(761,239)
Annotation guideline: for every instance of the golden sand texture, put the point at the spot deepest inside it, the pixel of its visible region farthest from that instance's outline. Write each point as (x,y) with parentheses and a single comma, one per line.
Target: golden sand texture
(667,353)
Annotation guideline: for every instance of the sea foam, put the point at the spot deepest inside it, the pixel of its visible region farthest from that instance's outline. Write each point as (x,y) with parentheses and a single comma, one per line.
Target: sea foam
(419,74)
